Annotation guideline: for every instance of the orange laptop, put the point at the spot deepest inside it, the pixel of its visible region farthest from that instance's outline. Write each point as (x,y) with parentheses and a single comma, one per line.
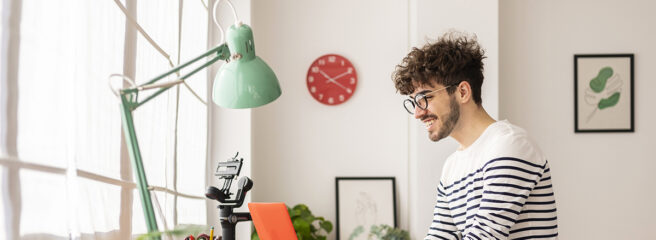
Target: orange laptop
(272,221)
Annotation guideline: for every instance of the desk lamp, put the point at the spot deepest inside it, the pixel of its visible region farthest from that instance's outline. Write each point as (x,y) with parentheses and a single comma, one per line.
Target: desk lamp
(245,81)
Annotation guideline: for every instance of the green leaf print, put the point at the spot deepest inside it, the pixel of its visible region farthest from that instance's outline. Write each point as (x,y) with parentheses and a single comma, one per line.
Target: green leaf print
(598,83)
(610,101)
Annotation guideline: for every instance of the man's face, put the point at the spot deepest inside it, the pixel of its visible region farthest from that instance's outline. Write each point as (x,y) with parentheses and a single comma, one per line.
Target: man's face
(441,114)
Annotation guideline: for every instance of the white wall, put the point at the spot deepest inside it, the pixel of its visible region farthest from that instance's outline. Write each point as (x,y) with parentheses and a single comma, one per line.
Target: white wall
(603,181)
(431,19)
(300,145)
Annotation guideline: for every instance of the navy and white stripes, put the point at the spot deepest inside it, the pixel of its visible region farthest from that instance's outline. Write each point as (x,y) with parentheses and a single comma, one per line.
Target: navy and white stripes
(508,198)
(497,198)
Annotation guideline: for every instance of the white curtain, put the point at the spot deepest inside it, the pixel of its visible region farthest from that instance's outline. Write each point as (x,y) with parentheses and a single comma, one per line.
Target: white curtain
(67,166)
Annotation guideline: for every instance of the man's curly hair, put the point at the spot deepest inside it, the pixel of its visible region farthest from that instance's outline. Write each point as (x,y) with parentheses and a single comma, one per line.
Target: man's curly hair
(454,58)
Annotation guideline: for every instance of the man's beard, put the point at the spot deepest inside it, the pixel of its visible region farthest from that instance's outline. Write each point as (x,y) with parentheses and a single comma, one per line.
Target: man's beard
(450,122)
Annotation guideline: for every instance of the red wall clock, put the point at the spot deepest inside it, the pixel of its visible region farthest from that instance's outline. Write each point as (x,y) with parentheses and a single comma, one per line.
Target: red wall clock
(331,79)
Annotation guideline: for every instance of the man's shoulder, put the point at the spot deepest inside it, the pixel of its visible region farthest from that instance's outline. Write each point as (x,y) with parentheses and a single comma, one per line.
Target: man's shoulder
(509,140)
(503,128)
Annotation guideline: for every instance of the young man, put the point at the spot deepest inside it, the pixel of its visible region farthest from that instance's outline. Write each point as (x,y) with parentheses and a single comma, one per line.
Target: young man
(497,184)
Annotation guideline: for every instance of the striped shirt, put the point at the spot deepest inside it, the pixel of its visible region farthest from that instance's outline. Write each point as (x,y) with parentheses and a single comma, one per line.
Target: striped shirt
(497,188)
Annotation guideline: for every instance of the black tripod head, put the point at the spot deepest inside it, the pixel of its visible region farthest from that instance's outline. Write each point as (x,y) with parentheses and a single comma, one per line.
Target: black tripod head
(228,171)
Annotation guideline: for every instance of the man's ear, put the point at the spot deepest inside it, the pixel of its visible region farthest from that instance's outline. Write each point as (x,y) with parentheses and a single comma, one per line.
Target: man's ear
(464,92)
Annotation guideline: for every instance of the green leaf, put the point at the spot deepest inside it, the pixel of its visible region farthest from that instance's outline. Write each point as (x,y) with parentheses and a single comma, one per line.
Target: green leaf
(308,218)
(302,227)
(254,236)
(386,232)
(294,213)
(301,207)
(307,215)
(598,83)
(305,223)
(610,101)
(326,225)
(357,231)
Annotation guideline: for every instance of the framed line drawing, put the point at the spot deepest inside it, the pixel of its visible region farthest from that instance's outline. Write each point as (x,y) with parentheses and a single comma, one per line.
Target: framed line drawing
(603,93)
(362,202)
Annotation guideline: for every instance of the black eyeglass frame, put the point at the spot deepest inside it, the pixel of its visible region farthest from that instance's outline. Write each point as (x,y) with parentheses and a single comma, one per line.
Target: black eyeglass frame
(421,96)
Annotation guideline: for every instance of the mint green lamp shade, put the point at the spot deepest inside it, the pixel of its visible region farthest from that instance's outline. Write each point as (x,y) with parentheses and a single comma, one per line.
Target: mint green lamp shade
(246,81)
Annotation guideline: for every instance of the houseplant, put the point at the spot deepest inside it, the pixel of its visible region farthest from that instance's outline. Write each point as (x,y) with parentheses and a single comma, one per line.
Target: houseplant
(382,232)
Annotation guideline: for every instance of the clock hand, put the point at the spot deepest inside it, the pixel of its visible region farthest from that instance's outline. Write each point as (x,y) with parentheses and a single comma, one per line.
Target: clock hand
(325,75)
(341,75)
(333,80)
(338,84)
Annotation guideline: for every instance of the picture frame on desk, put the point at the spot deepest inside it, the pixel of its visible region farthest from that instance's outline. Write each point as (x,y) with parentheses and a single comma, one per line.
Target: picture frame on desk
(362,202)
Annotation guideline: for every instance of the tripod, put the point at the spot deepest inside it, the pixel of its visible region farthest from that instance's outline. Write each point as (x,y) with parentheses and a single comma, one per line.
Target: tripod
(227,171)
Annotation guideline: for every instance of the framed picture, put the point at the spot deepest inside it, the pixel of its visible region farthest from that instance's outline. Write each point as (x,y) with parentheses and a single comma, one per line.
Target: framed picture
(363,202)
(603,93)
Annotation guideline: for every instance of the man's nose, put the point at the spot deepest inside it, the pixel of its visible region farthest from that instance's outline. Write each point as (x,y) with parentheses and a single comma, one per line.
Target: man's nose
(419,112)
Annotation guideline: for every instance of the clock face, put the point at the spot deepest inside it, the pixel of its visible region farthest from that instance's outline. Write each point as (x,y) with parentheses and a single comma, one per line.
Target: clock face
(331,79)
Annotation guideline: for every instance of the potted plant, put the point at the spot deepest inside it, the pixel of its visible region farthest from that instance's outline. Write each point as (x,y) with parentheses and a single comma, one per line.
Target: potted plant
(382,232)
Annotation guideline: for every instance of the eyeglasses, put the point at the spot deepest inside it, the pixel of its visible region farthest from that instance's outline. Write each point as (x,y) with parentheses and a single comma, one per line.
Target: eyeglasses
(421,100)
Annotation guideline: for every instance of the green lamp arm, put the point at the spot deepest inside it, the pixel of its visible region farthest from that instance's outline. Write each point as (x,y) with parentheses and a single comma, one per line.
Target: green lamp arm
(222,53)
(129,103)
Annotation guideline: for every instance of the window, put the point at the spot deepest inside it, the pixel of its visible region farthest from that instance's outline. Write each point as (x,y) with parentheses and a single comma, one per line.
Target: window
(67,165)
